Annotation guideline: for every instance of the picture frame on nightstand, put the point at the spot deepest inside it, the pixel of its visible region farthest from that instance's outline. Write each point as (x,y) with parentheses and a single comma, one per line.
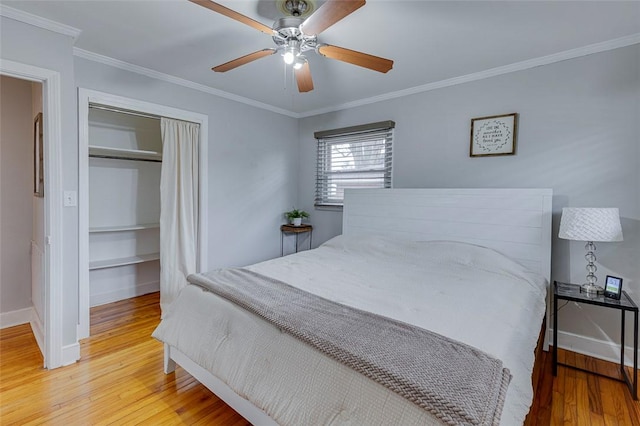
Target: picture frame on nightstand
(612,287)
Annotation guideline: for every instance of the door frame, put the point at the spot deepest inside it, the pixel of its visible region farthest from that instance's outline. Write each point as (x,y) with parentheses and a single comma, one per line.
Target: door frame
(85,97)
(53,225)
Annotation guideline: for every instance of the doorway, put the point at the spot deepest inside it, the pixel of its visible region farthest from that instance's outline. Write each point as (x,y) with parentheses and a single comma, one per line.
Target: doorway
(21,205)
(51,123)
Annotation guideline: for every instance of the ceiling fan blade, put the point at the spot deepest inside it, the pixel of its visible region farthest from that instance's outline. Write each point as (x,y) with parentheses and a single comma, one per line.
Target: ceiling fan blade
(244,60)
(303,77)
(328,14)
(365,60)
(233,15)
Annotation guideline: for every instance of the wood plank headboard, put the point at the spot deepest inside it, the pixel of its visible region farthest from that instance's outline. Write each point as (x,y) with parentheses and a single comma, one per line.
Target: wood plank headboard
(515,222)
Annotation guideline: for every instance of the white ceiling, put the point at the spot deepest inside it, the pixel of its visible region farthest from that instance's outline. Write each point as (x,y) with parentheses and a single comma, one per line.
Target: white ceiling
(430,41)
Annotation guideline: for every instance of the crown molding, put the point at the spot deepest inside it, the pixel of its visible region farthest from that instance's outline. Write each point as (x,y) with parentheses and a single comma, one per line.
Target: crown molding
(85,54)
(37,21)
(506,69)
(493,72)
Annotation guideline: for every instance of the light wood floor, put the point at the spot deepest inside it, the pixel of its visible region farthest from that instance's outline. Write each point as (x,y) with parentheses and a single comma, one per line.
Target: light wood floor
(578,398)
(119,380)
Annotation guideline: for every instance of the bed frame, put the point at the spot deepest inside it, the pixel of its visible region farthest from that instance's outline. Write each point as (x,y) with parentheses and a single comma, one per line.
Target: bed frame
(516,222)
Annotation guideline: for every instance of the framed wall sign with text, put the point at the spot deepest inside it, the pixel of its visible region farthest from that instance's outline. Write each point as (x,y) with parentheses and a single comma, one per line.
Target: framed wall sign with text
(494,135)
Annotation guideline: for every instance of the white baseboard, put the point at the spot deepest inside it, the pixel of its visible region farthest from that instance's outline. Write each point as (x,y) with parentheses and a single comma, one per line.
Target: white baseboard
(25,316)
(124,293)
(607,350)
(70,354)
(18,317)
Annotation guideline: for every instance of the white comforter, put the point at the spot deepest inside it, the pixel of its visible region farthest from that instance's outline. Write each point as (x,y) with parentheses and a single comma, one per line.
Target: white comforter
(466,292)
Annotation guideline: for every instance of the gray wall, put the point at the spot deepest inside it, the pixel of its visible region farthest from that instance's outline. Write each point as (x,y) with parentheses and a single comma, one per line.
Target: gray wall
(16,193)
(253,157)
(578,134)
(32,45)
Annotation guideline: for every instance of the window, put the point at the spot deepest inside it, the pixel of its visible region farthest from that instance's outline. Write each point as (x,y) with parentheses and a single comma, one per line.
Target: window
(353,157)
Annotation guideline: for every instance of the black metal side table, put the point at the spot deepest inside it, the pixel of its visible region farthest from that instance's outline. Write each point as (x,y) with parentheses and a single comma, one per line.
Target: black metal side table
(571,292)
(297,230)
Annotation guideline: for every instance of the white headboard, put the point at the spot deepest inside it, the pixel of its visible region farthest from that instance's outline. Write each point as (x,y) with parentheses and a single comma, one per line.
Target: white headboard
(515,222)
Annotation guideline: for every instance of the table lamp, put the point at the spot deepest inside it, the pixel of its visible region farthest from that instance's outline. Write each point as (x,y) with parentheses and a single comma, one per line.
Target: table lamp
(590,224)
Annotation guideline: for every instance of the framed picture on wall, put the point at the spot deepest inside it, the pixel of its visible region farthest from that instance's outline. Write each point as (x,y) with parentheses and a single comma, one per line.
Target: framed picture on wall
(493,135)
(38,157)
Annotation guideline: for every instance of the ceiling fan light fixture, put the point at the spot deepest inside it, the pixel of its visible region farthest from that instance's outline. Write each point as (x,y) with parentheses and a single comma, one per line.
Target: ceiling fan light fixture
(291,52)
(299,62)
(294,36)
(289,57)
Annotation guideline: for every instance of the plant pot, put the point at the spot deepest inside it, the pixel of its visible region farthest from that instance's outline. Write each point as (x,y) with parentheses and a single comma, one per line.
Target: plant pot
(296,221)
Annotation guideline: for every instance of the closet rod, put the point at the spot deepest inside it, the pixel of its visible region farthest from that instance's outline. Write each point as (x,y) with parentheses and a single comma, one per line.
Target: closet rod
(124,111)
(116,157)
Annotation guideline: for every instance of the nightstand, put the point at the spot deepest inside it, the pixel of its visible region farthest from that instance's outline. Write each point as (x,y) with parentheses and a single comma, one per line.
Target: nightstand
(571,292)
(297,230)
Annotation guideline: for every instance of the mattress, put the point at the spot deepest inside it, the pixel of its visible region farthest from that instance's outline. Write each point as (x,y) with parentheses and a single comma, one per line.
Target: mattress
(466,292)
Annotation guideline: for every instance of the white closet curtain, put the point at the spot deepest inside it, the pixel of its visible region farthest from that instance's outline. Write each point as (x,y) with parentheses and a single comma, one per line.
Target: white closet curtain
(178,206)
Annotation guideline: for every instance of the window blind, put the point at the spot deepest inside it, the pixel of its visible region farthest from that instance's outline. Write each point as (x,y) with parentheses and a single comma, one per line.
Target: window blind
(353,157)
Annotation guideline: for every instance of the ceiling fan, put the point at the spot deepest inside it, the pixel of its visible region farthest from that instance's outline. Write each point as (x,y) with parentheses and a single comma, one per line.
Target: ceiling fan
(294,36)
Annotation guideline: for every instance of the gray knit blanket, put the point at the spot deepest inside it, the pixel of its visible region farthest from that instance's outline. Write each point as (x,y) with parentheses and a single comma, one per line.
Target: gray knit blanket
(457,383)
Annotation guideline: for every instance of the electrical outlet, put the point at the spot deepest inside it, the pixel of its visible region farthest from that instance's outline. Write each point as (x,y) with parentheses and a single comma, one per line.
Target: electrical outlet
(70,198)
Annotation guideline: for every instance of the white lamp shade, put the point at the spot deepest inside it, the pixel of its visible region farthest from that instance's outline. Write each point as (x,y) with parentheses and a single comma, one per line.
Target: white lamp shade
(590,224)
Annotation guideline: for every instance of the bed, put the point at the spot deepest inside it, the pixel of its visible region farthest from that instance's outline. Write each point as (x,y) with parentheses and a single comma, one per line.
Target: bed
(433,258)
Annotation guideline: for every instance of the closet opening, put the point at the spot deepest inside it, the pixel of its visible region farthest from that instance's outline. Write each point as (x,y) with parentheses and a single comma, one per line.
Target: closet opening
(125,159)
(121,167)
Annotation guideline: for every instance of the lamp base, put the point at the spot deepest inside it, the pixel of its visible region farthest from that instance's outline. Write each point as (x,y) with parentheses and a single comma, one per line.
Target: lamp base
(591,289)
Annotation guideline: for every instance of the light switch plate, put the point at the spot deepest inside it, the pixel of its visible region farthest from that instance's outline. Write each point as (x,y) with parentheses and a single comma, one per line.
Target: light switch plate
(70,198)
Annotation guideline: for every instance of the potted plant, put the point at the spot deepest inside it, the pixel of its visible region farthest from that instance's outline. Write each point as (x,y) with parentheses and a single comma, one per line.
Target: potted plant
(295,216)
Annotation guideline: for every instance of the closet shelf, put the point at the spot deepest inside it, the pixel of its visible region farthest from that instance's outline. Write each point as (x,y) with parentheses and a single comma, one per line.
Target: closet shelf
(123,261)
(125,154)
(119,228)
